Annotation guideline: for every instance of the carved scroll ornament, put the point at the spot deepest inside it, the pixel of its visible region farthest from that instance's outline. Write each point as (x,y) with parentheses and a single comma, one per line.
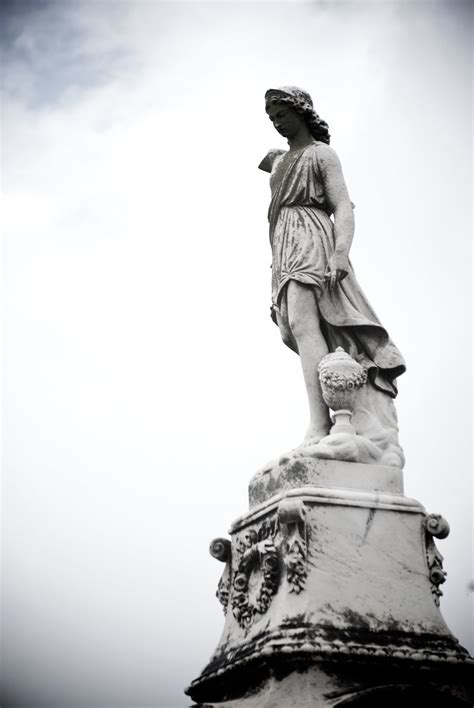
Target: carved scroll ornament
(437,526)
(221,549)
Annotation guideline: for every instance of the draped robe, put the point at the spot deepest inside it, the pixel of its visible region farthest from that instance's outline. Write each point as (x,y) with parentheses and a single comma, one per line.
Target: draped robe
(303,240)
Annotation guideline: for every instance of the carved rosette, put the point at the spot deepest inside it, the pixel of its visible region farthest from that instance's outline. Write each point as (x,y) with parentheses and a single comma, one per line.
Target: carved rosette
(220,549)
(341,376)
(258,560)
(437,526)
(292,519)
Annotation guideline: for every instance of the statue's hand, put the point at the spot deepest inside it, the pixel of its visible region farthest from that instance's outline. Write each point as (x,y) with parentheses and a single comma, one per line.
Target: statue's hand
(338,268)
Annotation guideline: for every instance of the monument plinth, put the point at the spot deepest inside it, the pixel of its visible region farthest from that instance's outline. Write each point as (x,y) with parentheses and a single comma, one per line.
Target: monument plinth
(337,582)
(332,580)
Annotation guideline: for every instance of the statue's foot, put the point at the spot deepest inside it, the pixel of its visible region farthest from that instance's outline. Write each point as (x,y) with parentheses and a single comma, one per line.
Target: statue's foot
(313,436)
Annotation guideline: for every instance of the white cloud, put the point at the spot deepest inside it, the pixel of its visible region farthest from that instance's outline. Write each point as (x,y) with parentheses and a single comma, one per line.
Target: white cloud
(144,381)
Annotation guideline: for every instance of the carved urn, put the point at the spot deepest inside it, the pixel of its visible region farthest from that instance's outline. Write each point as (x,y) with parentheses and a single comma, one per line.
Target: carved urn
(341,376)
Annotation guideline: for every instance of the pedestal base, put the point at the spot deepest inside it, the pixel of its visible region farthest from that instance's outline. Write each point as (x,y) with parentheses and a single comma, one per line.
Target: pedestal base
(339,582)
(362,685)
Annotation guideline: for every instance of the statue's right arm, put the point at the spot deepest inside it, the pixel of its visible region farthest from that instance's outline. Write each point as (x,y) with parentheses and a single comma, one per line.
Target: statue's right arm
(267,163)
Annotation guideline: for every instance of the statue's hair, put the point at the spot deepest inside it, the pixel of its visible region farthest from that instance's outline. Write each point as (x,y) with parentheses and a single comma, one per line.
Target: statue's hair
(303,105)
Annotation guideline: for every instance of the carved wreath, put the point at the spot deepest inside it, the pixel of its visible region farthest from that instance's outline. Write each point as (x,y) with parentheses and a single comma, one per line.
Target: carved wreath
(258,553)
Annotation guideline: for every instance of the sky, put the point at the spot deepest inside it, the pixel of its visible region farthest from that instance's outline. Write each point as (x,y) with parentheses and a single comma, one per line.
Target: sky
(144,382)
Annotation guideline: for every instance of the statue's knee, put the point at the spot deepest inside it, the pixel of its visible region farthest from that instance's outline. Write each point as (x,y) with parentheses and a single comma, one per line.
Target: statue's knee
(286,336)
(298,326)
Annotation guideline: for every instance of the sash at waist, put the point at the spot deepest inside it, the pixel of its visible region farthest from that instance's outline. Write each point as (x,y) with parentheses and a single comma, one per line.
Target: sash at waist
(310,205)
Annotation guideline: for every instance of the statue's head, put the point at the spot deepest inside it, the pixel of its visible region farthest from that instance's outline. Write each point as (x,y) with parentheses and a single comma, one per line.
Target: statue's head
(289,105)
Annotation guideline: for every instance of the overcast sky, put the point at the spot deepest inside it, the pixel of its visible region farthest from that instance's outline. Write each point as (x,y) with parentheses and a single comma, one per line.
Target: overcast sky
(144,382)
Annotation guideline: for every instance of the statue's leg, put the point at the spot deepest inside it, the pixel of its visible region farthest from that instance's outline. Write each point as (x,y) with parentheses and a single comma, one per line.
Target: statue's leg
(284,325)
(304,323)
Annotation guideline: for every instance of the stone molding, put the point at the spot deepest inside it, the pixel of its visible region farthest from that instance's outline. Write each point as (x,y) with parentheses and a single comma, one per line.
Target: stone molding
(338,497)
(295,471)
(316,646)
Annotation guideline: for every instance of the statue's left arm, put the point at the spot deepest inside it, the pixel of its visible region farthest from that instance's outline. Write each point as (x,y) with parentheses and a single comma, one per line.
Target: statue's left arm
(338,199)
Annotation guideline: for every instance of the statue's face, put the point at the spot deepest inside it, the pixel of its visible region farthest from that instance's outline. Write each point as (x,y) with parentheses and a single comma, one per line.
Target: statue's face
(285,119)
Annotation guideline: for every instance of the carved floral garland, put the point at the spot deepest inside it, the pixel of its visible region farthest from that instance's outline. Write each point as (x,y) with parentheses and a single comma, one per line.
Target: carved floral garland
(257,551)
(223,589)
(292,520)
(262,554)
(295,561)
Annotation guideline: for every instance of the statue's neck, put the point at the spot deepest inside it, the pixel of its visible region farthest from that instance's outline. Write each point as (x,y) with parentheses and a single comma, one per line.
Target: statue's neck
(302,138)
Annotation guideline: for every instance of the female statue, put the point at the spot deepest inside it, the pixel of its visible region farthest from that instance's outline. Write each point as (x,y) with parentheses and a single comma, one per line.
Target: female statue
(316,300)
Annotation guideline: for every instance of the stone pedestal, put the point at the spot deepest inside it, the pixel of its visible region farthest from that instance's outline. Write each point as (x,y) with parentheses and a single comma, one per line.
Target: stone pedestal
(331,591)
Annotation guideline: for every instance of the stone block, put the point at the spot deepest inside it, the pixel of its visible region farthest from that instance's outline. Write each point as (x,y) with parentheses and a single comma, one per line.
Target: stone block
(326,576)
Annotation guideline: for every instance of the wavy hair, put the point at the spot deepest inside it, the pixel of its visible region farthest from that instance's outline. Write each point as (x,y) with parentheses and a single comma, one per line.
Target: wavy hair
(302,103)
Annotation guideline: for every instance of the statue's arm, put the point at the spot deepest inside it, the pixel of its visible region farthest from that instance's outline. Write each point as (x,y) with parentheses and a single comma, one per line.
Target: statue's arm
(338,199)
(267,163)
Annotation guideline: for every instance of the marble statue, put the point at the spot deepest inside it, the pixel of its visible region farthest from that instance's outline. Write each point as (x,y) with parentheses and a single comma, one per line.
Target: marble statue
(317,302)
(332,580)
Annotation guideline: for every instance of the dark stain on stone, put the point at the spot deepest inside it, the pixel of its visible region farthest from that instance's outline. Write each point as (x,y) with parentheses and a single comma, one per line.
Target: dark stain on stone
(355,619)
(240,680)
(368,524)
(297,473)
(289,475)
(296,621)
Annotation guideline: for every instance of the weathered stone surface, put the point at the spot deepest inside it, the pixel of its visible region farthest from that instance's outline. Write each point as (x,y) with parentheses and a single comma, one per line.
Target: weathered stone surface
(328,574)
(332,581)
(341,376)
(295,471)
(366,685)
(317,302)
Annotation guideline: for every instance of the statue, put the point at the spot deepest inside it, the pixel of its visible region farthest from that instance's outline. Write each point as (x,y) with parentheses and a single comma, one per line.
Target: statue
(316,300)
(331,583)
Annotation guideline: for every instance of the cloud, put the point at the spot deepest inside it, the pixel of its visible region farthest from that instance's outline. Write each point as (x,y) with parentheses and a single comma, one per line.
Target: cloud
(144,381)
(55,51)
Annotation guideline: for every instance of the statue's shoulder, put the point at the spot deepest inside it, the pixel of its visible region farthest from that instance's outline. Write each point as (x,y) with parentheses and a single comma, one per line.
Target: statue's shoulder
(324,150)
(268,161)
(325,154)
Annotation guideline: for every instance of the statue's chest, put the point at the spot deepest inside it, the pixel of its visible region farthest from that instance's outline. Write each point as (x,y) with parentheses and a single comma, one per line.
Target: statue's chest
(292,171)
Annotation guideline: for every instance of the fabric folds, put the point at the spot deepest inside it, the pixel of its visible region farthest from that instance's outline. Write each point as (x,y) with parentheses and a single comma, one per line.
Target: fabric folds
(302,240)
